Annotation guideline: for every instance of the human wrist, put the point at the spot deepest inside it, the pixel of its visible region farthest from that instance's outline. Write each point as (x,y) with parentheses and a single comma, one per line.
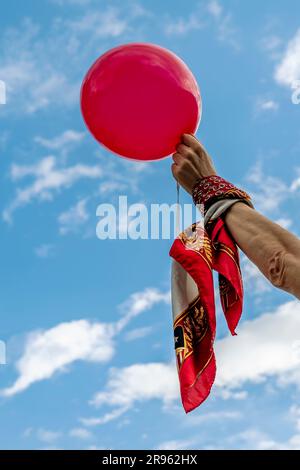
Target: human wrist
(213,188)
(236,210)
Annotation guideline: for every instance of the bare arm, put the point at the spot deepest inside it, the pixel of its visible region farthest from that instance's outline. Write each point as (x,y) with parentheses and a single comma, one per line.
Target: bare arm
(274,250)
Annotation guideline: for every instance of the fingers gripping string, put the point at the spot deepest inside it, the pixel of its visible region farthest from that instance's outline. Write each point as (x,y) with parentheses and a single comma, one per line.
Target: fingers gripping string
(177,210)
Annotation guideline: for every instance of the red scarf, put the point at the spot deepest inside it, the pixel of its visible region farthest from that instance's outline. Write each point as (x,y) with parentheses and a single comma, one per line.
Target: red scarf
(196,253)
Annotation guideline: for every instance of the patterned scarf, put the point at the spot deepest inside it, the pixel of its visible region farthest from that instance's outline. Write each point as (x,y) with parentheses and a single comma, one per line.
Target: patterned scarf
(196,252)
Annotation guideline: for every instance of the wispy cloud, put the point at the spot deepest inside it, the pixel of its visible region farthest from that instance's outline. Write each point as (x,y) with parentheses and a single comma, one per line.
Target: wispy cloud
(49,351)
(53,350)
(121,175)
(271,44)
(254,280)
(44,251)
(287,71)
(215,9)
(109,187)
(295,185)
(205,15)
(106,418)
(268,192)
(177,444)
(182,26)
(136,383)
(45,70)
(284,222)
(138,333)
(62,3)
(212,416)
(100,23)
(63,142)
(80,433)
(264,105)
(226,30)
(250,438)
(33,82)
(140,302)
(73,219)
(48,436)
(48,178)
(264,347)
(255,439)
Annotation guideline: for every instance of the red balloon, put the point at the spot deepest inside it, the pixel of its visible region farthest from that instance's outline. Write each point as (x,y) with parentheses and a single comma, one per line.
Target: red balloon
(138,99)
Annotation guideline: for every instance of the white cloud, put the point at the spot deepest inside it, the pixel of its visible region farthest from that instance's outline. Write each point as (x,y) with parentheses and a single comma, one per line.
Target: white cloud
(292,443)
(138,333)
(140,302)
(80,433)
(215,8)
(94,447)
(284,222)
(288,70)
(269,191)
(255,439)
(121,175)
(28,432)
(251,438)
(49,447)
(71,2)
(44,251)
(227,394)
(139,382)
(106,418)
(2,92)
(183,26)
(136,383)
(296,182)
(49,351)
(264,347)
(71,220)
(254,280)
(226,31)
(4,137)
(271,44)
(266,105)
(61,142)
(210,15)
(176,445)
(48,179)
(195,420)
(108,187)
(100,23)
(48,436)
(42,66)
(295,415)
(33,83)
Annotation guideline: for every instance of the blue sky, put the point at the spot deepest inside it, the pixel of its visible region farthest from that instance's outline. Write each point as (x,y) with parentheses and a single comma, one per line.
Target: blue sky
(74,378)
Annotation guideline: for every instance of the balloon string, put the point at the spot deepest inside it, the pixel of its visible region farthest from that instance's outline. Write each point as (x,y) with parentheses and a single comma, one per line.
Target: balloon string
(177,210)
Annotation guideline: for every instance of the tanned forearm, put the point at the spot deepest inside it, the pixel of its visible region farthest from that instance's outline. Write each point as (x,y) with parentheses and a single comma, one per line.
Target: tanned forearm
(274,250)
